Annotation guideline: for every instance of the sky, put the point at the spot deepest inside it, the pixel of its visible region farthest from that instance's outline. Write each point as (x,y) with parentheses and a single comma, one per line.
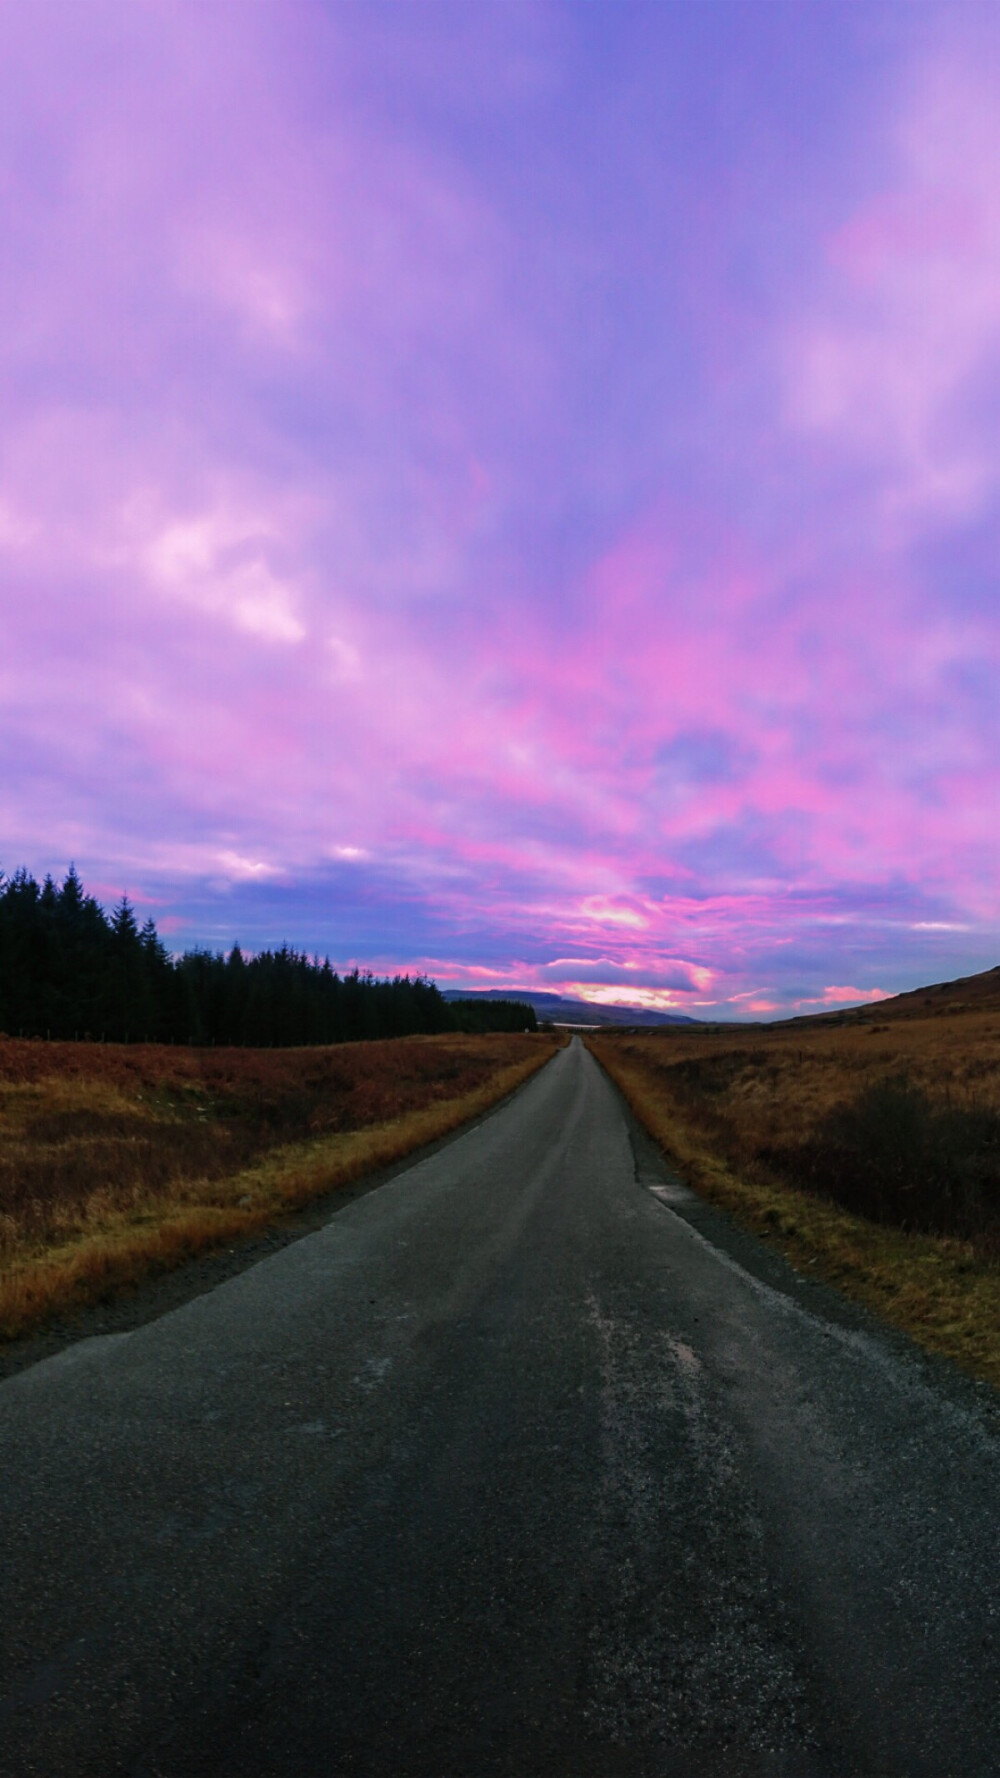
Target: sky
(510,488)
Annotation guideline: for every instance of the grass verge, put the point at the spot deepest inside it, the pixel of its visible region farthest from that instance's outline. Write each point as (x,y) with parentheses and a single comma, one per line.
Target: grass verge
(938,1290)
(114,1246)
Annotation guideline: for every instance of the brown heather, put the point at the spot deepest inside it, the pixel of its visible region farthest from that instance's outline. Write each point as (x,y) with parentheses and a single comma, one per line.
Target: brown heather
(866,1145)
(120,1161)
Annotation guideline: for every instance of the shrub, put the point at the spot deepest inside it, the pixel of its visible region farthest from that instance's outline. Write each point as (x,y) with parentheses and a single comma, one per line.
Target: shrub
(894,1155)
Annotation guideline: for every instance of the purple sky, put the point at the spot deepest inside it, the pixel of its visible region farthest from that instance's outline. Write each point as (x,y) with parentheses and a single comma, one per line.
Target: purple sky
(510,487)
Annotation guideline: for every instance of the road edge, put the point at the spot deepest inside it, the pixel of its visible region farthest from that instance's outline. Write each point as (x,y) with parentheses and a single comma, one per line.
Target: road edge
(769,1266)
(160,1295)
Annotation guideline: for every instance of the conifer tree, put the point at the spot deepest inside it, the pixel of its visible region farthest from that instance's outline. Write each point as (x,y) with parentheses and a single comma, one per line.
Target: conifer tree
(68,970)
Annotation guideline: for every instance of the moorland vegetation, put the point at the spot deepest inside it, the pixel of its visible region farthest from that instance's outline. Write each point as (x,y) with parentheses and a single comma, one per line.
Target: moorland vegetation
(120,1161)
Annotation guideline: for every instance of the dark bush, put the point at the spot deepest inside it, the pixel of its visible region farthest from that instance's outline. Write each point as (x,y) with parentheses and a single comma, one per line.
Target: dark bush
(894,1155)
(493,1015)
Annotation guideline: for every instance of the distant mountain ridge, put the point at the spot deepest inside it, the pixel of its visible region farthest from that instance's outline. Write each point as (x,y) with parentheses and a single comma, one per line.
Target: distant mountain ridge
(562,1011)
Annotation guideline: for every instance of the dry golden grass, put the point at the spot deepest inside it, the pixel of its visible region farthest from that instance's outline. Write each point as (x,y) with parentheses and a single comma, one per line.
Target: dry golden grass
(733,1106)
(769,1086)
(116,1163)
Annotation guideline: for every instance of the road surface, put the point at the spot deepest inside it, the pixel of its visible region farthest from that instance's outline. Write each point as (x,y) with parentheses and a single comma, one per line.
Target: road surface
(526,1464)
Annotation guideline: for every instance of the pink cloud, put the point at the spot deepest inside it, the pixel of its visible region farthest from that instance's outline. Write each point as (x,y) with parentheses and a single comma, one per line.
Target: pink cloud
(845,997)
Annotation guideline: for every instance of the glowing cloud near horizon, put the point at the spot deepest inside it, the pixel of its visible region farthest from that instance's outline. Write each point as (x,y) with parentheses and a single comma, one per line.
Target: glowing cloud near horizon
(512,492)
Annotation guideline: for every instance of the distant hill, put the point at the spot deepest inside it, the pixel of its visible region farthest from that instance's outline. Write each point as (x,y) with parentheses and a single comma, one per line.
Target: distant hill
(560,1011)
(970,993)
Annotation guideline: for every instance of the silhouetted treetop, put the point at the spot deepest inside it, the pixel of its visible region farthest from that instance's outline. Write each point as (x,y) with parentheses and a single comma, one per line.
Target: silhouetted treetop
(68,970)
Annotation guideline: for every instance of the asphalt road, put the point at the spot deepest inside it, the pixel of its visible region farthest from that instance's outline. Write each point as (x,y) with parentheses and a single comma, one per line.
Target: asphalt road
(525,1464)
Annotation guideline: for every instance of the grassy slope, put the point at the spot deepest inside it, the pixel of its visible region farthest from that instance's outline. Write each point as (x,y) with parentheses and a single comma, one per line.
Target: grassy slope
(718,1100)
(116,1163)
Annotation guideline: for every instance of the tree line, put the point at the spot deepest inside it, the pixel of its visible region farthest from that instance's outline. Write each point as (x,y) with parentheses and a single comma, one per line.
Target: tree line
(70,970)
